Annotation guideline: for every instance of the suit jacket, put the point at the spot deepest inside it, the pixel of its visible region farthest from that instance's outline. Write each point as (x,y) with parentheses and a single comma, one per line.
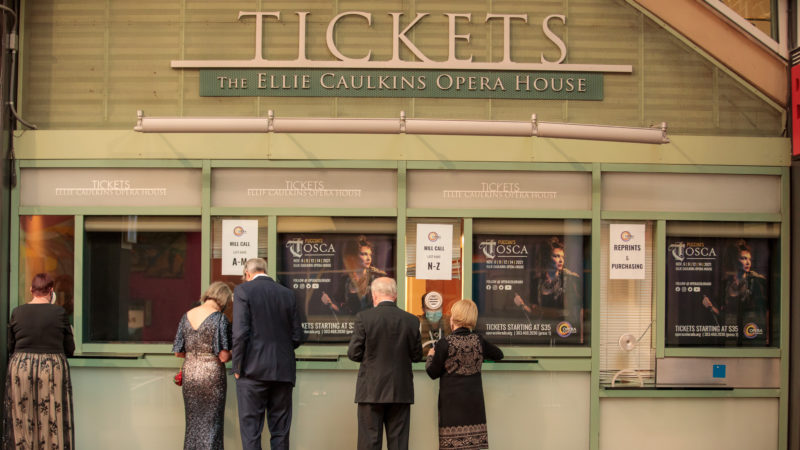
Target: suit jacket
(266,330)
(385,341)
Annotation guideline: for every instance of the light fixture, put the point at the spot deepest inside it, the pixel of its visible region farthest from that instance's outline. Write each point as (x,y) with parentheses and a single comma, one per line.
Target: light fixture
(401,125)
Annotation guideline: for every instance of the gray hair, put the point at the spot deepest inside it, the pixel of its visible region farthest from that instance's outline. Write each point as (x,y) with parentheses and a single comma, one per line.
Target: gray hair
(255,265)
(384,287)
(219,292)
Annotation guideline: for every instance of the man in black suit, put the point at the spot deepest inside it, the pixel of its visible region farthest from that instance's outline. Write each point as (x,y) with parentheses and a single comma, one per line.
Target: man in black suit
(385,341)
(266,330)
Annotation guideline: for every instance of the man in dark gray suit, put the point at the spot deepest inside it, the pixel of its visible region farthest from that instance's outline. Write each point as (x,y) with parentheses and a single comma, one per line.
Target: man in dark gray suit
(385,341)
(266,330)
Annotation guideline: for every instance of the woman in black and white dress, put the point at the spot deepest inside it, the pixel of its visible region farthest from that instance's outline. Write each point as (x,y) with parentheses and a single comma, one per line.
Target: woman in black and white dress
(456,360)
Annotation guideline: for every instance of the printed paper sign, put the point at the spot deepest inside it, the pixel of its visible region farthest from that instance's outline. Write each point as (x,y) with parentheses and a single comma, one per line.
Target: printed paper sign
(239,243)
(627,253)
(434,251)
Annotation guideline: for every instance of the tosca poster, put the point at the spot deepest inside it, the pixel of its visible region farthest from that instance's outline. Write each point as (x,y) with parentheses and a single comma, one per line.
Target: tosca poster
(718,291)
(330,275)
(530,289)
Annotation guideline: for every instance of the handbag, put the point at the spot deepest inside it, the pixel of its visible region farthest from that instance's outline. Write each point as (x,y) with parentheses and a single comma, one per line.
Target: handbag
(178,378)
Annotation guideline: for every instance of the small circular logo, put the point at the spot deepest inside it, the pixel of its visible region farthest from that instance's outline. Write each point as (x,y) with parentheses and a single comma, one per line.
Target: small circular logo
(751,330)
(564,329)
(433,236)
(238,231)
(433,300)
(626,236)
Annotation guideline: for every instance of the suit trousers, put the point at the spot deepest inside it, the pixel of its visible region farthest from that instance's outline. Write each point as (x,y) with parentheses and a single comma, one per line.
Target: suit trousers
(254,398)
(372,417)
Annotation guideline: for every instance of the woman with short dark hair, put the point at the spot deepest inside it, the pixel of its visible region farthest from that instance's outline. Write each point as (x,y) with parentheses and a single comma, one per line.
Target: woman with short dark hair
(38,402)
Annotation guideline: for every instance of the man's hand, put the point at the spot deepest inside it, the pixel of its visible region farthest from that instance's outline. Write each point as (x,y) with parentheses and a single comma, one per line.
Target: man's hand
(236,375)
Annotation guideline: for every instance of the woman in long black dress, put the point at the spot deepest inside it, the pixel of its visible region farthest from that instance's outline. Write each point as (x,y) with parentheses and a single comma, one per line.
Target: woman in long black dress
(356,294)
(204,339)
(743,303)
(557,291)
(456,360)
(38,402)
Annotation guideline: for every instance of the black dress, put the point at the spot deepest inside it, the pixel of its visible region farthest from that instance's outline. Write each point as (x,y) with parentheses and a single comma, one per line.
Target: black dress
(204,379)
(457,362)
(743,306)
(353,301)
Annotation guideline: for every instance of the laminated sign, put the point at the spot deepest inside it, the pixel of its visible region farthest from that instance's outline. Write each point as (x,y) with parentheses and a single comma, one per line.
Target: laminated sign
(239,243)
(627,252)
(434,251)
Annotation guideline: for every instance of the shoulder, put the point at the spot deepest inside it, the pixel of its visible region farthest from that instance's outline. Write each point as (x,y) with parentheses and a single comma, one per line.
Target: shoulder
(220,317)
(409,316)
(55,310)
(757,276)
(569,273)
(18,312)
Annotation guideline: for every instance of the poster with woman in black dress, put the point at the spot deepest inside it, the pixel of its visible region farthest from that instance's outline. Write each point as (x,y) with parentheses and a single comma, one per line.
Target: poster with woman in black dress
(331,275)
(530,289)
(718,291)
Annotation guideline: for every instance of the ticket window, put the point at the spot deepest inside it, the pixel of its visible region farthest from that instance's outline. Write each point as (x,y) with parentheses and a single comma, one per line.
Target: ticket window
(722,284)
(531,281)
(627,306)
(141,274)
(434,273)
(329,263)
(47,245)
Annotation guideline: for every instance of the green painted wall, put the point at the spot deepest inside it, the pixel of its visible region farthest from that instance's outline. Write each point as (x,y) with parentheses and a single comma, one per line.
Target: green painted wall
(92,64)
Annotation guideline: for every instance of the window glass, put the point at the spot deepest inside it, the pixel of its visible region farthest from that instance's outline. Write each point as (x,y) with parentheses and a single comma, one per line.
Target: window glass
(722,285)
(141,274)
(47,245)
(627,304)
(329,263)
(757,12)
(531,281)
(431,299)
(244,234)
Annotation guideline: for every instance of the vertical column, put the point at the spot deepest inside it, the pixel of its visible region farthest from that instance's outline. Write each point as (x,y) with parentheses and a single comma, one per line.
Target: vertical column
(594,389)
(401,234)
(205,228)
(77,296)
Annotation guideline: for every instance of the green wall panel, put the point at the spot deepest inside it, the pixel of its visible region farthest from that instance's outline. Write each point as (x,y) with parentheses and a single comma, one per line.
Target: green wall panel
(92,64)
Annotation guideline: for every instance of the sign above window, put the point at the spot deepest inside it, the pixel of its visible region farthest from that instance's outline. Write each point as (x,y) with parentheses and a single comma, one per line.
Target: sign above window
(356,71)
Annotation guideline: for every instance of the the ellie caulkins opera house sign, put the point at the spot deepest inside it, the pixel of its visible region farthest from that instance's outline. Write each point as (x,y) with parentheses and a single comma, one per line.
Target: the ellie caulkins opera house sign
(350,75)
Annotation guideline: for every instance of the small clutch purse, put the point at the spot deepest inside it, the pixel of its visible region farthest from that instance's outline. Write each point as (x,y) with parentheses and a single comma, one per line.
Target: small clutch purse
(178,379)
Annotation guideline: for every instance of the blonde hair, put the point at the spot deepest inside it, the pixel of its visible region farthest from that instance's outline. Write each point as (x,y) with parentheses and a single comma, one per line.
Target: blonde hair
(219,292)
(464,313)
